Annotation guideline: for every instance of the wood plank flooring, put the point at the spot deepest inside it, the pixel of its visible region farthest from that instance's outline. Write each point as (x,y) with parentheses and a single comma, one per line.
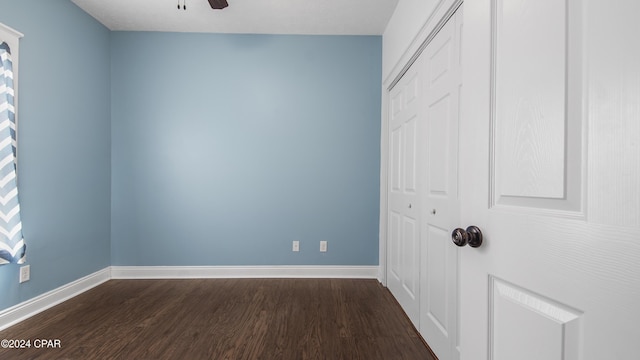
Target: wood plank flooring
(224,319)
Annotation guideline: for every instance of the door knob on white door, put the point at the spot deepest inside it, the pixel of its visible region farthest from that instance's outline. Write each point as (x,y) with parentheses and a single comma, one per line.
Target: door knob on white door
(471,236)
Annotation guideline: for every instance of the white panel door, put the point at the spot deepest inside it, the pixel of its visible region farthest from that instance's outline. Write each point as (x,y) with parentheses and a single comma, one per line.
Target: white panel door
(550,172)
(405,139)
(441,210)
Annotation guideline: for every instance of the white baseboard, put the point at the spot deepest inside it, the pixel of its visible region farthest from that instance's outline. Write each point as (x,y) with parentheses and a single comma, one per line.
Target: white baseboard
(212,272)
(31,307)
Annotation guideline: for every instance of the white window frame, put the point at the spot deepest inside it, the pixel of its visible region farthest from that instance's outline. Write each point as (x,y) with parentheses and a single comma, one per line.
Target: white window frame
(12,37)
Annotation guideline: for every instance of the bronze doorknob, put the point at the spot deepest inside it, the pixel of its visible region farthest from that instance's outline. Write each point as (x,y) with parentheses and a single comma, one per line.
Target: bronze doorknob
(472,236)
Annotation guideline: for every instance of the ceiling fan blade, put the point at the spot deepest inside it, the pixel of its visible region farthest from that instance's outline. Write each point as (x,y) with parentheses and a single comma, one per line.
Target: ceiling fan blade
(218,4)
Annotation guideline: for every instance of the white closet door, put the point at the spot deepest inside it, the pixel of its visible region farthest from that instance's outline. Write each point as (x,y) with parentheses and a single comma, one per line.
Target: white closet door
(439,260)
(406,137)
(423,194)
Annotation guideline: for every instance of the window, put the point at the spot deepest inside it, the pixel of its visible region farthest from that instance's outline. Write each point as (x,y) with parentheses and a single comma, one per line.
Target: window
(12,38)
(12,245)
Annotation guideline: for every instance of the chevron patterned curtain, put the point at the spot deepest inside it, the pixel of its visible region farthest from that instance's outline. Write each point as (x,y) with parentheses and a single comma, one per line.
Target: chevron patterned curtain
(12,246)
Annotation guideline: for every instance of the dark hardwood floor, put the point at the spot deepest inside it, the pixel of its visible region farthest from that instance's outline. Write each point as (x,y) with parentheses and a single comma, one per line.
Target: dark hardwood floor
(223,319)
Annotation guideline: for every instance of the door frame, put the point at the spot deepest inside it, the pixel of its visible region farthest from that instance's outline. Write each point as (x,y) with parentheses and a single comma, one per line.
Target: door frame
(443,11)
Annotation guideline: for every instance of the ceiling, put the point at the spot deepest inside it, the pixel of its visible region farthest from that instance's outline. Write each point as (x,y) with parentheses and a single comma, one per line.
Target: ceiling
(314,17)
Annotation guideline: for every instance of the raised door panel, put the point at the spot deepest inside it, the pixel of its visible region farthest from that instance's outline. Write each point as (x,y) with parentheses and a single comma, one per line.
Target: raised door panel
(438,301)
(528,326)
(410,142)
(395,160)
(536,123)
(530,97)
(395,245)
(410,260)
(439,122)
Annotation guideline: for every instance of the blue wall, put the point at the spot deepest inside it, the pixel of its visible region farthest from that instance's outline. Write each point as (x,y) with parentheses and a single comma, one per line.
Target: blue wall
(190,149)
(226,148)
(63,143)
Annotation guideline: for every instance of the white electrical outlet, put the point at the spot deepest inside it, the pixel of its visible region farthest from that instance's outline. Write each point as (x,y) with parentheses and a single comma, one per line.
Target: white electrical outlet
(296,246)
(25,273)
(323,246)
